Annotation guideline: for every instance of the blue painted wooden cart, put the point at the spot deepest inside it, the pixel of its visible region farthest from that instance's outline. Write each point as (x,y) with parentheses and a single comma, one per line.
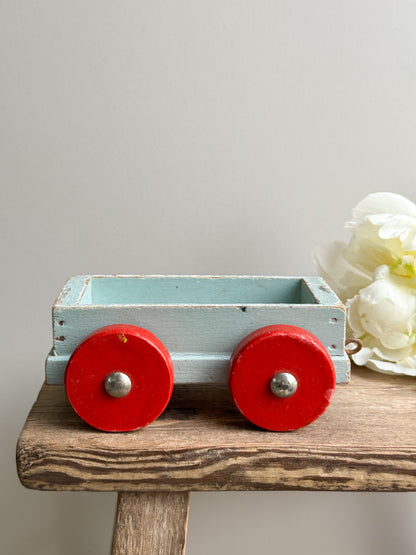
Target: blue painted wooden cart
(200,320)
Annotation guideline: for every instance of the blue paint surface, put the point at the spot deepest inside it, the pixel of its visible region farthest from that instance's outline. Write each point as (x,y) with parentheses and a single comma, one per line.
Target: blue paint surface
(195,290)
(200,319)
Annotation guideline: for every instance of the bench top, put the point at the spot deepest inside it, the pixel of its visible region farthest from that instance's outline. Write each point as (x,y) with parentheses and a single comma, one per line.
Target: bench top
(366,441)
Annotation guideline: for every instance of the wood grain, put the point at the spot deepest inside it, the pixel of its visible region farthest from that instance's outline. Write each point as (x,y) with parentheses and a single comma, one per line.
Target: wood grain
(366,441)
(151,523)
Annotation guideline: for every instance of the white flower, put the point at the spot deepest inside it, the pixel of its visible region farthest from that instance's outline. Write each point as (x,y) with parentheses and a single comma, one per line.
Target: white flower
(375,275)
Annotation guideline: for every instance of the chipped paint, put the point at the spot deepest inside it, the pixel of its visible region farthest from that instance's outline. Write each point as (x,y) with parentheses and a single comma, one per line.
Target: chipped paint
(87,281)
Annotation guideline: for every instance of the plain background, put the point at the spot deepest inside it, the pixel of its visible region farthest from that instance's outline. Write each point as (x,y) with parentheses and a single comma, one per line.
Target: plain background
(223,137)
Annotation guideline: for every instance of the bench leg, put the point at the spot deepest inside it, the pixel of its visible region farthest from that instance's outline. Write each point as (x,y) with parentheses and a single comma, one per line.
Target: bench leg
(150,523)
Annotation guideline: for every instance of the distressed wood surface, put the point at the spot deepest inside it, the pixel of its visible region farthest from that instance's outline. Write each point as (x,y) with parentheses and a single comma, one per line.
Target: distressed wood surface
(151,522)
(366,441)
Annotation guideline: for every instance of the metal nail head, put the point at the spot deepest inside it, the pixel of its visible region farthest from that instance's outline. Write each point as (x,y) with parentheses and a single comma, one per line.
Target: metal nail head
(117,384)
(283,385)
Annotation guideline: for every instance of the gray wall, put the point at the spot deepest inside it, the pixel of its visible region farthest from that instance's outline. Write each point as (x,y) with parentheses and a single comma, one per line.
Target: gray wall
(191,137)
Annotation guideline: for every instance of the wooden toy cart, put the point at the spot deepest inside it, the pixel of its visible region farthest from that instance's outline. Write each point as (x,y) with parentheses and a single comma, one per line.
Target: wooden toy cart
(121,341)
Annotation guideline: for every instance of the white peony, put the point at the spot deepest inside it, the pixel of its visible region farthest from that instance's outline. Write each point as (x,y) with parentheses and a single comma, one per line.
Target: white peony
(375,275)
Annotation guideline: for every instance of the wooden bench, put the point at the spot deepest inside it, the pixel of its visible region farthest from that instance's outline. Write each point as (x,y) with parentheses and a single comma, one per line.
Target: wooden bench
(366,441)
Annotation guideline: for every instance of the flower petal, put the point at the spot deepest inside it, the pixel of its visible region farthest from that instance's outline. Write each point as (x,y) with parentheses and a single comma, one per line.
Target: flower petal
(390,368)
(396,225)
(366,250)
(362,357)
(393,355)
(385,309)
(354,317)
(345,279)
(381,203)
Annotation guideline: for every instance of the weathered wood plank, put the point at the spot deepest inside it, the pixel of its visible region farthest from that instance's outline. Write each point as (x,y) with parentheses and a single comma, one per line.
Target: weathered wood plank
(366,441)
(151,522)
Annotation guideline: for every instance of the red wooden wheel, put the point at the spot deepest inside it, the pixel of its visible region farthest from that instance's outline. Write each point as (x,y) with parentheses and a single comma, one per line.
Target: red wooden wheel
(281,378)
(119,378)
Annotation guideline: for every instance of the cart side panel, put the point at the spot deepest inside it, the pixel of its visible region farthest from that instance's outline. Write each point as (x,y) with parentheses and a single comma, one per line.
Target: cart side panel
(197,336)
